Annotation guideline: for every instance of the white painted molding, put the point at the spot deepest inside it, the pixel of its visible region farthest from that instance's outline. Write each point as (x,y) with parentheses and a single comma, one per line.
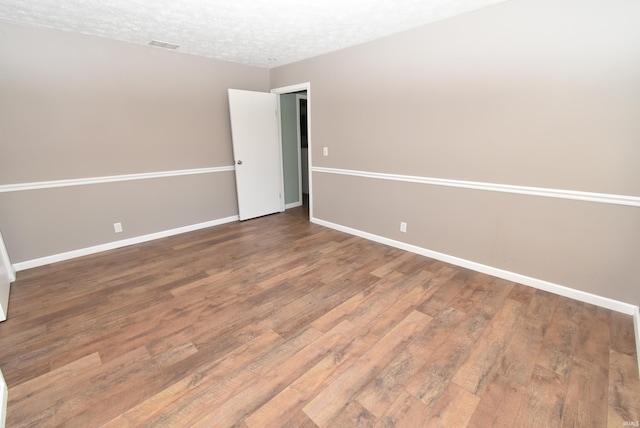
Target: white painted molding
(4,259)
(561,290)
(299,144)
(4,394)
(604,198)
(306,86)
(636,325)
(18,187)
(118,244)
(7,276)
(293,205)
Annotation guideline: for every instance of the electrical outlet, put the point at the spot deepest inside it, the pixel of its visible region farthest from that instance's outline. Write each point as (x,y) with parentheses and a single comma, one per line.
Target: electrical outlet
(403,226)
(325,151)
(117,227)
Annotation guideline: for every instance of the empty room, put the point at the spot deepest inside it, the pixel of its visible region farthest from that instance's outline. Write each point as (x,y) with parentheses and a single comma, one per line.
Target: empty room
(319,214)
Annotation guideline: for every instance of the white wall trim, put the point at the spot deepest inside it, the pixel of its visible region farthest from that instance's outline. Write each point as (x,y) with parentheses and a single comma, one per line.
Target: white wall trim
(4,393)
(7,276)
(582,296)
(605,198)
(299,144)
(636,325)
(18,187)
(4,259)
(306,86)
(118,244)
(292,88)
(293,205)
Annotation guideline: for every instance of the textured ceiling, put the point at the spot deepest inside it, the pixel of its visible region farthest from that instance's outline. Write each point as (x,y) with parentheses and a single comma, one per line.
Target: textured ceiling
(263,33)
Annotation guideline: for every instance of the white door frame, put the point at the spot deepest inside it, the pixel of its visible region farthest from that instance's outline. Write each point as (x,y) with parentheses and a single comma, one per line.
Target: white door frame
(299,134)
(287,90)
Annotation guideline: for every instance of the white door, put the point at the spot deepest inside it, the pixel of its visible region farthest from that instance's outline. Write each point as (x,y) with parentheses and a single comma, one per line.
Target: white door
(256,149)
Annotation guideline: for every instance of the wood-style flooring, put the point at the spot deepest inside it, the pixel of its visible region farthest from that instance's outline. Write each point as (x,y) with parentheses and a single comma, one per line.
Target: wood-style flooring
(277,322)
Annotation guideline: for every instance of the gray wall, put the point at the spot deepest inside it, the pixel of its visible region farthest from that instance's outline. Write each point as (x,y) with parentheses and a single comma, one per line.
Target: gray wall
(531,93)
(74,107)
(289,129)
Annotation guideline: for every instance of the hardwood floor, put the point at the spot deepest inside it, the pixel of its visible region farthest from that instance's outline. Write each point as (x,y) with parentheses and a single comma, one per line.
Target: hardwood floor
(279,322)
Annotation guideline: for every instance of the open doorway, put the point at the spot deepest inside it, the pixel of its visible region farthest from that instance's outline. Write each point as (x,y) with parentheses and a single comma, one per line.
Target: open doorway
(294,109)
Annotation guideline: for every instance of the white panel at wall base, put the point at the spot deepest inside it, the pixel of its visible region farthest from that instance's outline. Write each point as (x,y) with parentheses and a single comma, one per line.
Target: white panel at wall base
(3,401)
(4,298)
(6,277)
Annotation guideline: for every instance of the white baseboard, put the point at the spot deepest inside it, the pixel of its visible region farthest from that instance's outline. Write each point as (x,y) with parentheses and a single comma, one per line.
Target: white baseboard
(4,393)
(636,324)
(561,290)
(605,302)
(118,244)
(293,205)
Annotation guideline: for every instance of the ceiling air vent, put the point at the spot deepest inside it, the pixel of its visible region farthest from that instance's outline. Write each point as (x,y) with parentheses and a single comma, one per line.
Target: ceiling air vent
(165,45)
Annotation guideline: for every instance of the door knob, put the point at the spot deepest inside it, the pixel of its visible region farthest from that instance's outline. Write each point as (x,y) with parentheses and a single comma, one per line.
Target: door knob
(239,162)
